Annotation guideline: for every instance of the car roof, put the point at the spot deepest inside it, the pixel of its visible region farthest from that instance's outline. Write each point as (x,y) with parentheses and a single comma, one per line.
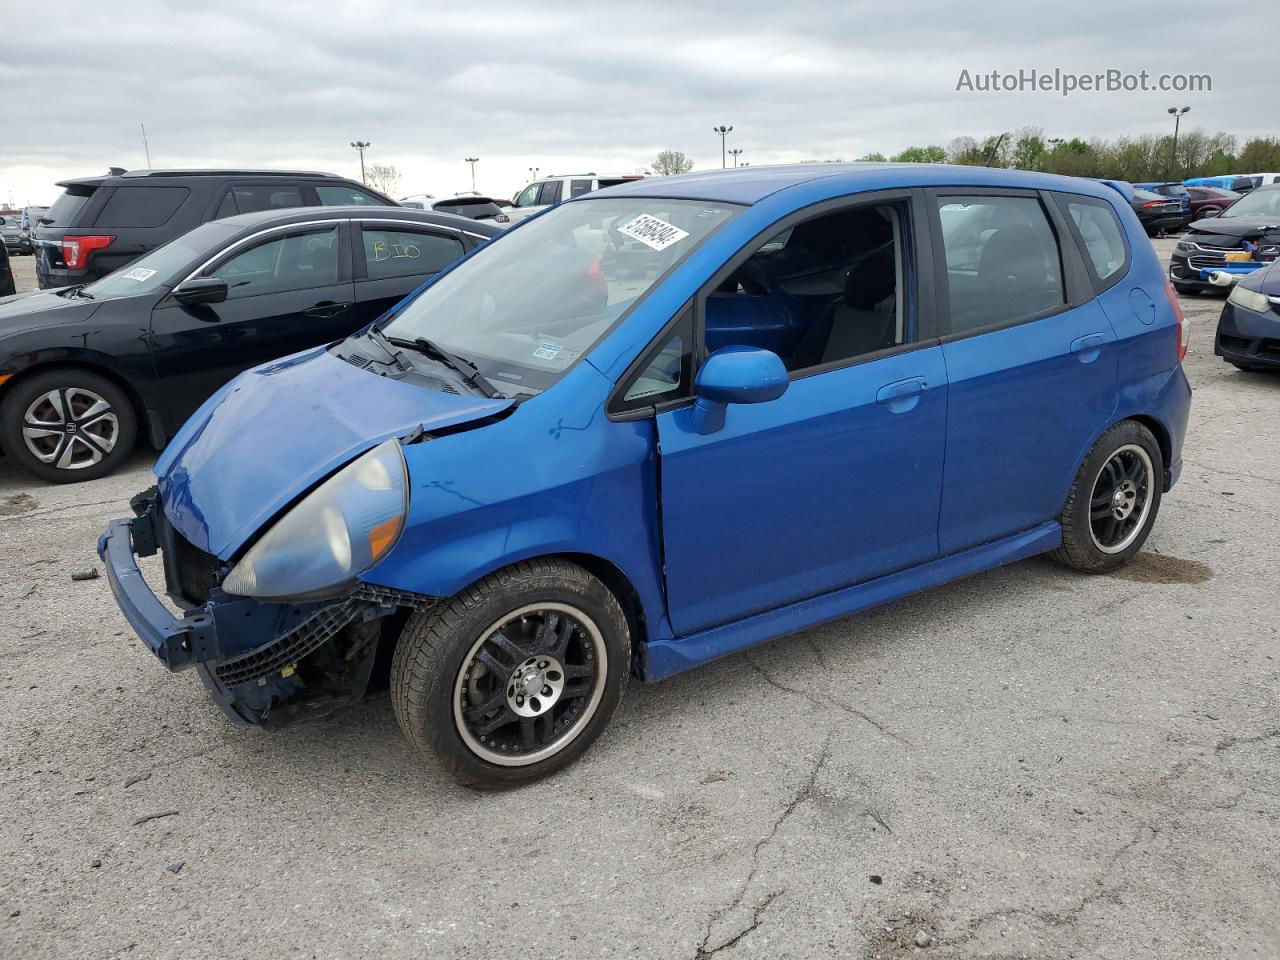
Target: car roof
(271,218)
(161,175)
(750,185)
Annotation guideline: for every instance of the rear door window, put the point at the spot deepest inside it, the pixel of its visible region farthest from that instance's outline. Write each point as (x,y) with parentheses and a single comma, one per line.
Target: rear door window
(1003,261)
(251,197)
(141,206)
(346,196)
(579,187)
(405,253)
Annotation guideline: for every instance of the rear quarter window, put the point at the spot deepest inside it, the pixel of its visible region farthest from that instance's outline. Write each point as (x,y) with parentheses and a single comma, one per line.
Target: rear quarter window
(1099,235)
(141,206)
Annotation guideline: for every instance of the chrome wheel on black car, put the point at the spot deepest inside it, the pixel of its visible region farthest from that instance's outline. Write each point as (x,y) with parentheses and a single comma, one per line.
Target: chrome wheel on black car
(1114,500)
(67,425)
(514,677)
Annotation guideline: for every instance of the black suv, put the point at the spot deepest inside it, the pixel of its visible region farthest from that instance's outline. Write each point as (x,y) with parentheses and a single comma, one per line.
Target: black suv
(99,224)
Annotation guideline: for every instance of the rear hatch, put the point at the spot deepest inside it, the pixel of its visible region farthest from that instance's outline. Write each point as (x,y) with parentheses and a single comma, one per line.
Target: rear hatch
(48,231)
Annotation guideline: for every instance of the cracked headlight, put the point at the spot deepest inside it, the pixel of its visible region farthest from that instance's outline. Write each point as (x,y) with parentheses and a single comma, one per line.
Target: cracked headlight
(1249,299)
(339,530)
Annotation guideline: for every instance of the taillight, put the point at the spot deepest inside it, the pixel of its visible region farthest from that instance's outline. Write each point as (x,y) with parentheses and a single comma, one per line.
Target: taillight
(1183,332)
(76,250)
(1152,203)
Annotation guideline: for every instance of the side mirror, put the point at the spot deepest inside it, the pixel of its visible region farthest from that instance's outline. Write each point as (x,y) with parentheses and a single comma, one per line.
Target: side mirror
(735,375)
(201,290)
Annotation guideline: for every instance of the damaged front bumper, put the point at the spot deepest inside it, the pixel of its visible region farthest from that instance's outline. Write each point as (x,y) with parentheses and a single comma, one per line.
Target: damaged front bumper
(264,664)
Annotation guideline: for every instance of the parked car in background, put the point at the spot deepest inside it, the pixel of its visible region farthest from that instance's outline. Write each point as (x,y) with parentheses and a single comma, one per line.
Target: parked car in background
(1174,191)
(474,206)
(100,224)
(658,425)
(15,241)
(31,216)
(1159,214)
(1248,334)
(1240,240)
(552,190)
(1210,201)
(7,286)
(85,369)
(1238,182)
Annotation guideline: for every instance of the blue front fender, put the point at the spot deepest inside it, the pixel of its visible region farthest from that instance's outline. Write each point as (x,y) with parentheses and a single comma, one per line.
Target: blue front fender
(555,477)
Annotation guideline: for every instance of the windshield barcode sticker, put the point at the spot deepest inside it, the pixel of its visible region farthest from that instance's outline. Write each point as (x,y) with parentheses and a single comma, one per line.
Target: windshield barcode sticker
(140,274)
(653,232)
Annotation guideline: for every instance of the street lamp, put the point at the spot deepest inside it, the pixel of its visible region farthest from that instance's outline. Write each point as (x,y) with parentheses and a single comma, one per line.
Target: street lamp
(361,145)
(473,161)
(1177,120)
(736,152)
(724,132)
(534,172)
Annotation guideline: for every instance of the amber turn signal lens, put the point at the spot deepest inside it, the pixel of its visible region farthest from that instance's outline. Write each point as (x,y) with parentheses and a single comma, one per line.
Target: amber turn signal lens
(382,536)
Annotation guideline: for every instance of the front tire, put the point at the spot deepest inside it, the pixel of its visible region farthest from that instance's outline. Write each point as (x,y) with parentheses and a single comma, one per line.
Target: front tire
(515,677)
(67,425)
(1114,500)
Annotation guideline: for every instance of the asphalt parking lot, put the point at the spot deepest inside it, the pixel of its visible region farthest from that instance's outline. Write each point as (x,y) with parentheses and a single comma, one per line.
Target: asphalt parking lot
(1028,763)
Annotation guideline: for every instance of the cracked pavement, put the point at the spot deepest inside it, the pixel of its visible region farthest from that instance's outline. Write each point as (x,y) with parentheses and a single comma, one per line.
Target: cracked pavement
(1031,762)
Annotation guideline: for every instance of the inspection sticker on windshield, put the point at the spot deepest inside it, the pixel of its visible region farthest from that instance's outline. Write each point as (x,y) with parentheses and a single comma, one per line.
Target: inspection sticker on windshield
(547,351)
(653,232)
(140,274)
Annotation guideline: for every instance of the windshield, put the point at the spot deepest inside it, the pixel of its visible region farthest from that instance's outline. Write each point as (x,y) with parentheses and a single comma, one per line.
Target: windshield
(1260,203)
(161,267)
(527,305)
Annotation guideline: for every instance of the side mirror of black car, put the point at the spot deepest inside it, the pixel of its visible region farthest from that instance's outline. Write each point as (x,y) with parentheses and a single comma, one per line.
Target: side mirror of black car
(201,290)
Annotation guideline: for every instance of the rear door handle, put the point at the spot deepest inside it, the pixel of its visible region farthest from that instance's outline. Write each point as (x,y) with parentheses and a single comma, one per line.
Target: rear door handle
(902,395)
(325,309)
(1088,348)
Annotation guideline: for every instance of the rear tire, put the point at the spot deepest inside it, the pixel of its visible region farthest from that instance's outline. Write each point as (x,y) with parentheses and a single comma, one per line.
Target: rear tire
(515,677)
(67,425)
(1113,501)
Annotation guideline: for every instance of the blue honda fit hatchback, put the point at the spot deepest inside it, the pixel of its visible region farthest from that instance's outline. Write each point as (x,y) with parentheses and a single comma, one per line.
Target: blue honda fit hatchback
(658,424)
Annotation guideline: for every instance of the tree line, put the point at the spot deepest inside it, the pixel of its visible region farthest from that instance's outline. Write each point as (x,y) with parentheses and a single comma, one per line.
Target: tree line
(1136,159)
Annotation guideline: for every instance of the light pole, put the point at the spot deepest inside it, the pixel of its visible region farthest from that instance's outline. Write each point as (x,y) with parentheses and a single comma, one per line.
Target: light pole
(724,132)
(361,145)
(473,161)
(534,172)
(1177,120)
(736,152)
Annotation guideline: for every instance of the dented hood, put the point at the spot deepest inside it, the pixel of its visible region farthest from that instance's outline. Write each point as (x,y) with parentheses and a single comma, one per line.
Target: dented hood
(276,430)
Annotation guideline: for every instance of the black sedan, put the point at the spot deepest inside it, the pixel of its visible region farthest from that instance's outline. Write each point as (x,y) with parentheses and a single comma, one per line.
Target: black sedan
(1159,214)
(85,369)
(1249,328)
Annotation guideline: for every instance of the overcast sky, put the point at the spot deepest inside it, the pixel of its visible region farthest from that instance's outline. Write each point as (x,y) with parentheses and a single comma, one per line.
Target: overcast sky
(570,87)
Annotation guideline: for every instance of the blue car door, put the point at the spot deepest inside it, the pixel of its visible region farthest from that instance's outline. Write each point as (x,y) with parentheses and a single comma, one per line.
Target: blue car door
(837,480)
(1030,357)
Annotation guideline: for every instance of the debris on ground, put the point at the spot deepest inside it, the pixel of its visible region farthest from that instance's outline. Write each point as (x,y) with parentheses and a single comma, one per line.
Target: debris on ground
(155,816)
(89,573)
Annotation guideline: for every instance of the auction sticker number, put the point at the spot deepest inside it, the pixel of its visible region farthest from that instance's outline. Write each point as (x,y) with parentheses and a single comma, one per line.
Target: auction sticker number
(652,232)
(140,274)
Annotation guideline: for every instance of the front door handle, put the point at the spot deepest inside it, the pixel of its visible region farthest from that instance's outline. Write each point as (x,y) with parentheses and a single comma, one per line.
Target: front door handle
(1088,348)
(902,395)
(326,309)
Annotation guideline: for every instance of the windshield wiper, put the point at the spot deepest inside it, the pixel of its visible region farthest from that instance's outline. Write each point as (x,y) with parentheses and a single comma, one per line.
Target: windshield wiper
(80,292)
(467,370)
